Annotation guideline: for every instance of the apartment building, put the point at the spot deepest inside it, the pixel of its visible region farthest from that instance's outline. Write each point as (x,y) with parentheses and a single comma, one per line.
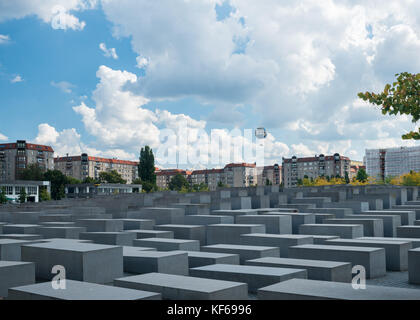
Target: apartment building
(210,177)
(164,176)
(83,166)
(271,173)
(240,174)
(391,162)
(355,166)
(295,169)
(16,157)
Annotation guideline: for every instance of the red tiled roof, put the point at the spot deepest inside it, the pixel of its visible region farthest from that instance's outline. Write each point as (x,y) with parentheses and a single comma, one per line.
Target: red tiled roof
(171,172)
(313,159)
(238,165)
(30,146)
(207,171)
(96,159)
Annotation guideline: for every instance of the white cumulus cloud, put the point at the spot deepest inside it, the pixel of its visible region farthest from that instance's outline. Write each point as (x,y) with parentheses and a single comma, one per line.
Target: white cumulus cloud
(109,53)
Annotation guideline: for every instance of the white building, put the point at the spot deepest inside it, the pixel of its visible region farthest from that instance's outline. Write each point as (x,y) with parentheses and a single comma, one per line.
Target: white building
(392,162)
(32,188)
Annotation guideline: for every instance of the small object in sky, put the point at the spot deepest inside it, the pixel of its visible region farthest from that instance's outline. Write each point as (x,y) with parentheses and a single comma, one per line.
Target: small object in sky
(261,133)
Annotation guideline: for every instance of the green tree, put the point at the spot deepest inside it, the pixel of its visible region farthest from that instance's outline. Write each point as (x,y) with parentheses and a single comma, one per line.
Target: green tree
(347,178)
(44,195)
(71,180)
(58,181)
(178,182)
(90,180)
(3,198)
(111,177)
(147,165)
(268,182)
(32,173)
(362,176)
(402,97)
(220,184)
(200,187)
(22,196)
(146,185)
(300,182)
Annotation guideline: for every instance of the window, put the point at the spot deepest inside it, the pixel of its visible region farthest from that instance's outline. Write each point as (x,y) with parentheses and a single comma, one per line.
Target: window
(9,190)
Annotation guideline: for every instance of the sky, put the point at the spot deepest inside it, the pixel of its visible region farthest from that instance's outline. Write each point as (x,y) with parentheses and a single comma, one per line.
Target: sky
(107,77)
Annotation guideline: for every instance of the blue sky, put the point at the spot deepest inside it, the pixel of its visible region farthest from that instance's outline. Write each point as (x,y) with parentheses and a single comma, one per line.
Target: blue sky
(294,67)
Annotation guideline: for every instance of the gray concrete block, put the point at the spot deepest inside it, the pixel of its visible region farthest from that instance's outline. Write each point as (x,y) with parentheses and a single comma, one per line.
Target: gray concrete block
(142,234)
(301,289)
(396,252)
(230,233)
(317,269)
(318,201)
(391,222)
(160,215)
(205,220)
(58,224)
(346,231)
(193,208)
(408,232)
(356,206)
(245,252)
(275,224)
(283,241)
(101,225)
(25,217)
(373,259)
(297,219)
(414,266)
(21,228)
(174,287)
(260,201)
(233,213)
(338,212)
(199,258)
(255,276)
(77,290)
(301,207)
(15,274)
(187,232)
(320,217)
(321,239)
(81,260)
(55,218)
(163,244)
(371,227)
(21,236)
(414,241)
(61,232)
(138,224)
(416,209)
(241,203)
(111,238)
(10,249)
(141,262)
(407,217)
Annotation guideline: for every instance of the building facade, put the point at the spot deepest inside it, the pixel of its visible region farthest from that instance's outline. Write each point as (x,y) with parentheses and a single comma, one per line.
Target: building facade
(32,189)
(272,174)
(210,177)
(164,176)
(233,175)
(16,157)
(355,166)
(89,190)
(391,162)
(84,166)
(295,169)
